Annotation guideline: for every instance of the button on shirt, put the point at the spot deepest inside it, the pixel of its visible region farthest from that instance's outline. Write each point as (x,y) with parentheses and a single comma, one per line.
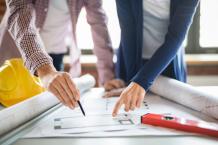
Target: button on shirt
(156,15)
(56,26)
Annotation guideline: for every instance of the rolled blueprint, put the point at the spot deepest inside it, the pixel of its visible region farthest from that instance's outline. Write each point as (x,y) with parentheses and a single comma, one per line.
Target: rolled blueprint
(22,112)
(186,95)
(85,83)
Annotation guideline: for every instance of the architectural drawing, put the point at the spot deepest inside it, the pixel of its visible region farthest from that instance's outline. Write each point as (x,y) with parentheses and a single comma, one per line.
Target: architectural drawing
(99,122)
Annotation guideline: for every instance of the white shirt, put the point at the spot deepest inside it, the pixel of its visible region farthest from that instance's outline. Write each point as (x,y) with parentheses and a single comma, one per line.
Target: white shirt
(156,15)
(56,27)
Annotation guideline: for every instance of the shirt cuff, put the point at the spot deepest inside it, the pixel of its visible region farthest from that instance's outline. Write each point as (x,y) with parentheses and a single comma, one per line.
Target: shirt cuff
(37,60)
(143,83)
(105,75)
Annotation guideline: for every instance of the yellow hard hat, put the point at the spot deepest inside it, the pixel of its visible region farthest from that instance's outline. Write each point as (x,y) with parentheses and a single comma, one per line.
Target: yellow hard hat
(17,83)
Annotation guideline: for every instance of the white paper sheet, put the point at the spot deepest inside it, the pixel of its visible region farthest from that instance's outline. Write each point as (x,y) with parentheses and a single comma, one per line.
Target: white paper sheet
(99,122)
(22,112)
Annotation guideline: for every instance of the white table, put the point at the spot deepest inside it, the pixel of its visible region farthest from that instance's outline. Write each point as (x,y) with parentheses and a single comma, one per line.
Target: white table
(15,137)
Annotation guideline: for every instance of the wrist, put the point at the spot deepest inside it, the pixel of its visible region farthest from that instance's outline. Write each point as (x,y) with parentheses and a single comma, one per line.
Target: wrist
(138,87)
(45,70)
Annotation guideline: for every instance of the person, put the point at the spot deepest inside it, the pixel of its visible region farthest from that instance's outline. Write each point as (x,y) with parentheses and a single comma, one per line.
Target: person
(152,33)
(35,27)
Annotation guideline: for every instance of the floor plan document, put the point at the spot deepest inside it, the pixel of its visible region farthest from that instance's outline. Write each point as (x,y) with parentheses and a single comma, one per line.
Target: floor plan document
(98,122)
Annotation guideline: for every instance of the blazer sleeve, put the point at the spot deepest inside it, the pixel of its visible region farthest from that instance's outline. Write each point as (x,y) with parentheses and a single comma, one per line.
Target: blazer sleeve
(22,28)
(127,53)
(177,30)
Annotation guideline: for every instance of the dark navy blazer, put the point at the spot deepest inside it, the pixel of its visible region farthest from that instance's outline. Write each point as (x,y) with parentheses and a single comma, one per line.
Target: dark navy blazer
(168,59)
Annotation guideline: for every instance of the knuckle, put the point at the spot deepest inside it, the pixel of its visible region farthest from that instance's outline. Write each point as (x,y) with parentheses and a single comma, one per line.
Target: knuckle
(66,75)
(63,73)
(140,94)
(123,95)
(58,76)
(56,79)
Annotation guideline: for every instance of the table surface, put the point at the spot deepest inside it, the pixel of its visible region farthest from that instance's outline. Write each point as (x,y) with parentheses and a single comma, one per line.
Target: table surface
(185,140)
(154,140)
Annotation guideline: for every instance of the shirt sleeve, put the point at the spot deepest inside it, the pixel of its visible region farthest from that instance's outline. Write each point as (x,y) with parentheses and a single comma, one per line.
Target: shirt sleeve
(97,19)
(177,30)
(22,28)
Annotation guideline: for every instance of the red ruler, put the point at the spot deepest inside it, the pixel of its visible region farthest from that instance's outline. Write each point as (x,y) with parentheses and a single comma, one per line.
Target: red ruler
(182,124)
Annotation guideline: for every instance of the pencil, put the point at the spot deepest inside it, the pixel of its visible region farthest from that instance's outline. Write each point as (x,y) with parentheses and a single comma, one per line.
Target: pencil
(81,108)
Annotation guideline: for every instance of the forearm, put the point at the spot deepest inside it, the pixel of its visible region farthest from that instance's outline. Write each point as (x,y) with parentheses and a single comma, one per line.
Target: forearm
(97,19)
(105,65)
(177,31)
(21,26)
(105,74)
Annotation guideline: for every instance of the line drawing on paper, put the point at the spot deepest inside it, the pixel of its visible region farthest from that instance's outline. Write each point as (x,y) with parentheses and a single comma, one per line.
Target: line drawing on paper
(102,120)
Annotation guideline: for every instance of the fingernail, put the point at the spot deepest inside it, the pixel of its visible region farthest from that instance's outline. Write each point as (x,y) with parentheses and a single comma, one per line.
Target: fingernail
(72,107)
(77,98)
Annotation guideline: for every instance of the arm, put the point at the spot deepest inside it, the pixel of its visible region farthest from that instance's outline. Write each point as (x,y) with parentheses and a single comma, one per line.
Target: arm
(134,94)
(102,42)
(21,26)
(177,31)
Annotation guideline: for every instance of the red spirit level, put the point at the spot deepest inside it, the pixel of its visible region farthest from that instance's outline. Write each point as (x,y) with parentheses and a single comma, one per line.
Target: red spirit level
(180,124)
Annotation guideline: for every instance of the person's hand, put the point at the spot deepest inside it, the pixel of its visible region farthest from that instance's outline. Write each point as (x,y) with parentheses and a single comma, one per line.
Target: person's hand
(60,84)
(131,97)
(114,84)
(113,93)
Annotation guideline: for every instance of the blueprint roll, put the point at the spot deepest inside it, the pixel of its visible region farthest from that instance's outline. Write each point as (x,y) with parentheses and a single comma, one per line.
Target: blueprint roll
(84,83)
(22,112)
(186,95)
